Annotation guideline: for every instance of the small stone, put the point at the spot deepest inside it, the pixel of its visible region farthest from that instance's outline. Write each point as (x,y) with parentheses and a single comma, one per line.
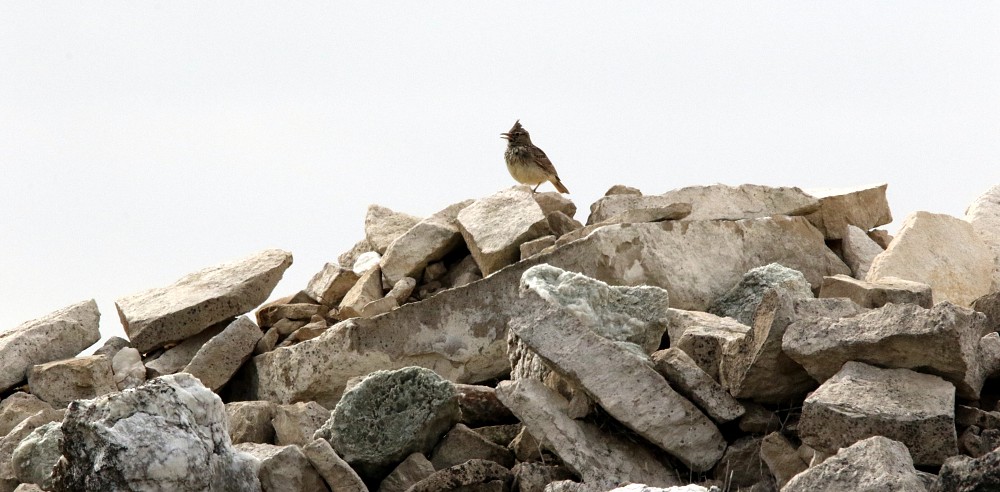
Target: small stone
(413,469)
(367,289)
(219,358)
(620,189)
(283,467)
(347,258)
(330,284)
(874,295)
(365,262)
(339,476)
(976,442)
(703,336)
(535,246)
(480,406)
(250,421)
(61,382)
(875,464)
(533,477)
(383,226)
(689,380)
(112,346)
(128,369)
(741,466)
(781,457)
(461,444)
(267,342)
(297,422)
(402,289)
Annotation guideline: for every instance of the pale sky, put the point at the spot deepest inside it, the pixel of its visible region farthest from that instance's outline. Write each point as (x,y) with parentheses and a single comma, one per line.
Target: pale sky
(140,141)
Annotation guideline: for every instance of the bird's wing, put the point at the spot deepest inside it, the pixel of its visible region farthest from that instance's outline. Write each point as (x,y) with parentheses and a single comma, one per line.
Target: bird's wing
(543,161)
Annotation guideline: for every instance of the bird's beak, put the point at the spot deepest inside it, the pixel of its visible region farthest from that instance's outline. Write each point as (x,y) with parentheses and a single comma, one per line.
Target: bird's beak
(505,136)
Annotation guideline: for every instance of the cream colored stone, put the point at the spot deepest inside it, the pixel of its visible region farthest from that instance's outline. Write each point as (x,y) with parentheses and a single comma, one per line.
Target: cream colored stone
(984,215)
(428,241)
(864,207)
(330,284)
(746,201)
(875,295)
(383,226)
(368,288)
(859,251)
(63,381)
(495,227)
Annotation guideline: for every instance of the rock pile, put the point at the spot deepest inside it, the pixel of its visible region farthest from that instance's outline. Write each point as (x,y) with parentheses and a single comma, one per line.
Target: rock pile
(710,338)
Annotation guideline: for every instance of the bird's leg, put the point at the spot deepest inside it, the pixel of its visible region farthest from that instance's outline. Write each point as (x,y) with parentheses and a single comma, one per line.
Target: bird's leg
(535,189)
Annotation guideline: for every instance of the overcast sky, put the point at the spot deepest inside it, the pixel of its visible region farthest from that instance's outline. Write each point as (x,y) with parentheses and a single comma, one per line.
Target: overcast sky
(140,141)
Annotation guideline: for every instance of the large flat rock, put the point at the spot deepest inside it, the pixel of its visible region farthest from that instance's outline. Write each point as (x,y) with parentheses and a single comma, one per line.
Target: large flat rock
(746,201)
(163,315)
(58,335)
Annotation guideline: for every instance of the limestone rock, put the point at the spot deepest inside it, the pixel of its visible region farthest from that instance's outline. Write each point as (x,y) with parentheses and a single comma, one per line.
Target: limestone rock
(984,215)
(647,405)
(250,421)
(535,246)
(976,442)
(688,379)
(220,357)
(402,289)
(862,401)
(339,476)
(611,206)
(741,301)
(35,456)
(379,306)
(864,207)
(390,415)
(271,314)
(741,465)
(296,423)
(128,369)
(964,474)
(896,335)
(551,201)
(620,189)
(495,227)
(9,442)
(61,382)
(966,416)
(874,295)
(960,270)
(413,469)
(756,367)
(781,457)
(367,289)
(560,224)
(383,226)
(703,336)
(428,241)
(365,262)
(746,201)
(599,457)
(176,358)
(112,346)
(330,284)
(347,258)
(282,468)
(827,308)
(461,444)
(156,317)
(875,464)
(759,420)
(474,474)
(480,406)
(18,407)
(171,430)
(990,306)
(533,477)
(57,335)
(859,251)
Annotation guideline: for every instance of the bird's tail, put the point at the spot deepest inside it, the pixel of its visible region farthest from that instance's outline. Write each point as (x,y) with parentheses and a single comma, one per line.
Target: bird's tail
(559,186)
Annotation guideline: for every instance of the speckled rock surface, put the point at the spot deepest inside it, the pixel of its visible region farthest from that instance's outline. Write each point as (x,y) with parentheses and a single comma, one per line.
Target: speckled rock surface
(741,301)
(875,464)
(35,456)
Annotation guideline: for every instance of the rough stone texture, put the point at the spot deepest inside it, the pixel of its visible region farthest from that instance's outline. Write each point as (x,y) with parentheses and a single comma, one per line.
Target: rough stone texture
(178,356)
(461,333)
(23,429)
(984,215)
(339,476)
(703,336)
(428,241)
(330,284)
(876,464)
(741,465)
(383,226)
(874,295)
(620,189)
(781,457)
(964,474)
(390,415)
(413,469)
(864,207)
(646,405)
(560,224)
(674,211)
(18,407)
(759,420)
(551,201)
(378,306)
(365,262)
(859,251)
(347,258)
(480,406)
(966,416)
(296,423)
(611,206)
(220,357)
(535,246)
(756,367)
(112,346)
(896,335)
(61,382)
(976,442)
(688,379)
(281,468)
(495,227)
(128,369)
(472,475)
(250,421)
(156,317)
(461,444)
(961,268)
(827,308)
(172,430)
(862,401)
(990,306)
(533,477)
(402,289)
(272,313)
(35,456)
(746,201)
(741,301)
(57,335)
(599,457)
(367,289)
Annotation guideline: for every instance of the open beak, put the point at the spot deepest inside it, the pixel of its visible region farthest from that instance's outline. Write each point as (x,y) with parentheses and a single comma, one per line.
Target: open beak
(505,136)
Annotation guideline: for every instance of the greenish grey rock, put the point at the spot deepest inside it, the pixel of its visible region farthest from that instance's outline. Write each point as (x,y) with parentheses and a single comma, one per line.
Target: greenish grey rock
(388,416)
(34,458)
(741,301)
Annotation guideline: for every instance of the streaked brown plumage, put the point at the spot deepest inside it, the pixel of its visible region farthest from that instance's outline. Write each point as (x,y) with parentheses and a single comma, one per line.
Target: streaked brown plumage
(527,163)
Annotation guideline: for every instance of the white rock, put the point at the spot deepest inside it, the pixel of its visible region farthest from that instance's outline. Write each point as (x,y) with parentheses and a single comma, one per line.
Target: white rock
(63,381)
(58,335)
(495,227)
(128,369)
(864,207)
(875,464)
(367,289)
(35,456)
(222,356)
(9,442)
(365,262)
(383,226)
(940,251)
(859,251)
(159,316)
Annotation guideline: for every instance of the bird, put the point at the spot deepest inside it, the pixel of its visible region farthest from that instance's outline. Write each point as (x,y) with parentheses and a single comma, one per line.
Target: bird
(527,163)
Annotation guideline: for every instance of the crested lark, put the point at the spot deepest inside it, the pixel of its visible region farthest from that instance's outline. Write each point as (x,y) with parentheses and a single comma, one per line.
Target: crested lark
(527,163)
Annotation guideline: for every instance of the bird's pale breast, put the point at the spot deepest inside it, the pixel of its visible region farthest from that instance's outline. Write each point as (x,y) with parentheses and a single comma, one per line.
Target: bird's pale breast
(523,168)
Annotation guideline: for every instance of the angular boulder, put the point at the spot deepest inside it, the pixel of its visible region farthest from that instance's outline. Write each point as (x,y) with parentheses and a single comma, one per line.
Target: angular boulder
(366,290)
(609,207)
(984,215)
(875,295)
(474,474)
(461,444)
(961,268)
(875,464)
(9,442)
(703,337)
(864,207)
(177,357)
(859,251)
(61,382)
(250,421)
(18,407)
(896,336)
(156,317)
(330,284)
(384,225)
(964,474)
(35,456)
(741,301)
(688,379)
(282,468)
(128,369)
(426,242)
(413,469)
(495,227)
(388,416)
(172,430)
(296,423)
(862,401)
(339,476)
(220,358)
(57,335)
